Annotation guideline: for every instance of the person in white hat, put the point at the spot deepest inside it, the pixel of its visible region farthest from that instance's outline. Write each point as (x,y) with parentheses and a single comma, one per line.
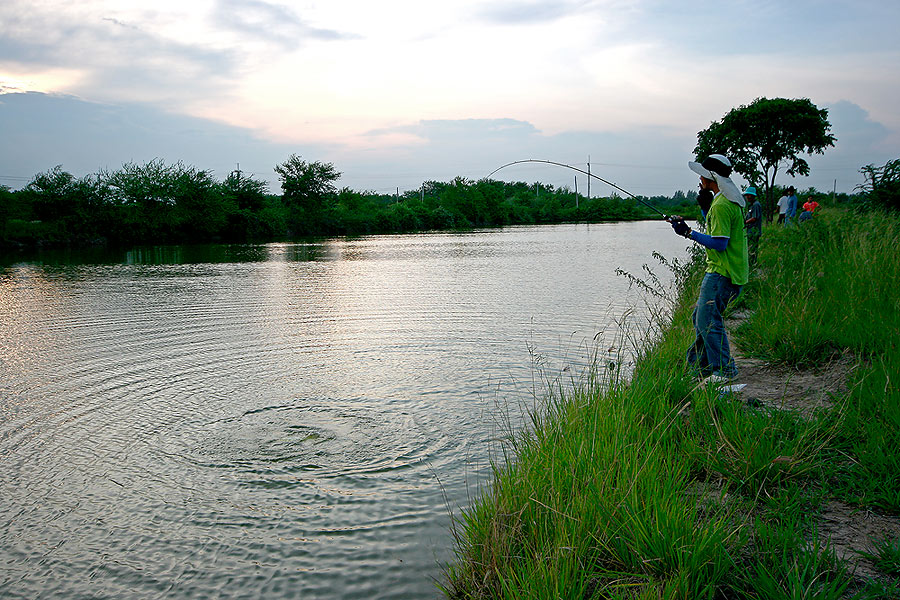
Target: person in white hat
(727,267)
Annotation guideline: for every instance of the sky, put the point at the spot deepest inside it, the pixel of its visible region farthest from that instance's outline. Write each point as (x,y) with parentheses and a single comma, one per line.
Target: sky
(398,92)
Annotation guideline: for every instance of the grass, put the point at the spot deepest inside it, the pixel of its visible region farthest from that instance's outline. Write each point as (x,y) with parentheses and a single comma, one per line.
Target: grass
(886,556)
(827,286)
(650,488)
(756,450)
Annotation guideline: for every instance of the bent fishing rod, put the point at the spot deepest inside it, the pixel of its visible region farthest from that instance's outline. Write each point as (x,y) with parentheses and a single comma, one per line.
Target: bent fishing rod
(589,174)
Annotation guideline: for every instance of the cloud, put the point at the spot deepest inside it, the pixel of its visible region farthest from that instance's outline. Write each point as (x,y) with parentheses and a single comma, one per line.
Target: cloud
(642,161)
(115,59)
(454,131)
(121,23)
(44,130)
(855,129)
(271,23)
(860,141)
(524,13)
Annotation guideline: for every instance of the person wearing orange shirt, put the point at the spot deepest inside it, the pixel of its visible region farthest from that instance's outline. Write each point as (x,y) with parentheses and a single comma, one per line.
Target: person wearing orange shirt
(809,207)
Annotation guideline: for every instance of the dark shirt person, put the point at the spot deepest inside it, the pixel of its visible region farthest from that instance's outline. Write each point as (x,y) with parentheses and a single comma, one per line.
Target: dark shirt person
(791,205)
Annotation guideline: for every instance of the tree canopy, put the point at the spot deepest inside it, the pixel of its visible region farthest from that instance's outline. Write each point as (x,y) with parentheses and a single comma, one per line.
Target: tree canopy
(766,136)
(882,184)
(306,184)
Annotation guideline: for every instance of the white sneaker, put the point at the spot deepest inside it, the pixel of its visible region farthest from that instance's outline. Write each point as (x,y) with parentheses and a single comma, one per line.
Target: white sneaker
(717,380)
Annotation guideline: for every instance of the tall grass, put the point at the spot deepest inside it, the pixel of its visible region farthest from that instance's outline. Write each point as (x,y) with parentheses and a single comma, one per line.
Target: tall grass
(592,500)
(655,488)
(865,469)
(826,285)
(756,450)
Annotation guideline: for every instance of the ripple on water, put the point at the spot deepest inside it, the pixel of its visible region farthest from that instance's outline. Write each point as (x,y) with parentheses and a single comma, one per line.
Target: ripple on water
(276,446)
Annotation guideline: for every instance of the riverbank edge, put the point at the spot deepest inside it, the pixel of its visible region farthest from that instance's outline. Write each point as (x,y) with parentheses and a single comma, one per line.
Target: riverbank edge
(661,514)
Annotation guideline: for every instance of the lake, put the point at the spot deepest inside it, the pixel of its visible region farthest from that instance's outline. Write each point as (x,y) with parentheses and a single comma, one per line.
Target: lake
(283,420)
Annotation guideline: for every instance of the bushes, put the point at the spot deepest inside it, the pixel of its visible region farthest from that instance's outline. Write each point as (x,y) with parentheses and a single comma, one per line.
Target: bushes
(160,203)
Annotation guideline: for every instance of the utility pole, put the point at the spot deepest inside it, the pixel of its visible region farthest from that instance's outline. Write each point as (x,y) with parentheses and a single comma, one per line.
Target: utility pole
(589,177)
(576,192)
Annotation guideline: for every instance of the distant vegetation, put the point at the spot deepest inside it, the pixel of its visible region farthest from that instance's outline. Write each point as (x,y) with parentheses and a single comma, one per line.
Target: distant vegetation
(158,203)
(175,203)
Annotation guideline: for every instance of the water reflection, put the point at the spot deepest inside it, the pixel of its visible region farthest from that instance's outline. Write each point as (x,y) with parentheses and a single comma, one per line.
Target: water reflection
(285,419)
(173,255)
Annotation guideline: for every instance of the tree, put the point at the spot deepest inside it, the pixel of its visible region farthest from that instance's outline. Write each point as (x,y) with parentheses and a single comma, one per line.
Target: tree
(200,209)
(306,187)
(157,201)
(245,192)
(767,135)
(50,194)
(882,184)
(248,199)
(7,198)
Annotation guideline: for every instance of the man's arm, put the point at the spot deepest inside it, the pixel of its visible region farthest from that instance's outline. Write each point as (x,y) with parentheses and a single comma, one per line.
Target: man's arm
(714,243)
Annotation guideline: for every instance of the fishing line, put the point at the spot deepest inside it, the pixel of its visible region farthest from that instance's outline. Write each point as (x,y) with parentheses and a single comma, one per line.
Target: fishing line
(609,183)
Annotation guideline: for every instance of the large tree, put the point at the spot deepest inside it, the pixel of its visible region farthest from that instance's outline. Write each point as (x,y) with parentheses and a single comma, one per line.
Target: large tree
(306,189)
(766,136)
(305,184)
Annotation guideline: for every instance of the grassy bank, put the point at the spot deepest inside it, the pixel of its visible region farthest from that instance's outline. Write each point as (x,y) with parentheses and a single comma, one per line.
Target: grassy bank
(654,488)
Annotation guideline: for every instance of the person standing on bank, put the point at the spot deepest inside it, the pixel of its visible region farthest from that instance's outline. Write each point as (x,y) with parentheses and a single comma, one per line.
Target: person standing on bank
(753,223)
(791,205)
(782,207)
(727,267)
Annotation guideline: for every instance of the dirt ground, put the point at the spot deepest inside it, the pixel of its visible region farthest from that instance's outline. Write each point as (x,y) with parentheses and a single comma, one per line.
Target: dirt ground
(850,530)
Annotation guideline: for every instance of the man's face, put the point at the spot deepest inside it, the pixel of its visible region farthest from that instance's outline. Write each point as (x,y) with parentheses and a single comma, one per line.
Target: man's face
(706,184)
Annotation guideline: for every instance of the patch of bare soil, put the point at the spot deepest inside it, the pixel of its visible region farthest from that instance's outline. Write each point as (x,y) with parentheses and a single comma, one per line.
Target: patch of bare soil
(850,530)
(853,530)
(783,388)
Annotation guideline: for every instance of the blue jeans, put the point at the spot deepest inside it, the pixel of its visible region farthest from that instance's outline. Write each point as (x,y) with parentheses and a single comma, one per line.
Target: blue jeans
(710,353)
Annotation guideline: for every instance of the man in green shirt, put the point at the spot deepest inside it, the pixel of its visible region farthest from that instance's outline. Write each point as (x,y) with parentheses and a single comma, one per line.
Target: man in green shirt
(727,267)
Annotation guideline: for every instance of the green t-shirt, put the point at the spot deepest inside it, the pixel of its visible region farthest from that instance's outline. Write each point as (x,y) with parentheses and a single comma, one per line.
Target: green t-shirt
(726,219)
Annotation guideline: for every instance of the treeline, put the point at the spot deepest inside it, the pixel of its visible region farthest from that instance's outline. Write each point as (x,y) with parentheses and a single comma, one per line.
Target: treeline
(156,203)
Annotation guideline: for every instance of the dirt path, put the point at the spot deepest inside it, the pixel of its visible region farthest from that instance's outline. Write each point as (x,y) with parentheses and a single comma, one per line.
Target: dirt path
(850,529)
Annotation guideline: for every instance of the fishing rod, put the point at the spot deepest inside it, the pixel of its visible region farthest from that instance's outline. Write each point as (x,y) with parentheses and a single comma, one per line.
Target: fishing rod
(589,174)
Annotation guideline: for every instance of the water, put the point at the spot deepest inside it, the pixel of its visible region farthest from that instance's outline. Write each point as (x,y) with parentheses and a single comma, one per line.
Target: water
(283,420)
